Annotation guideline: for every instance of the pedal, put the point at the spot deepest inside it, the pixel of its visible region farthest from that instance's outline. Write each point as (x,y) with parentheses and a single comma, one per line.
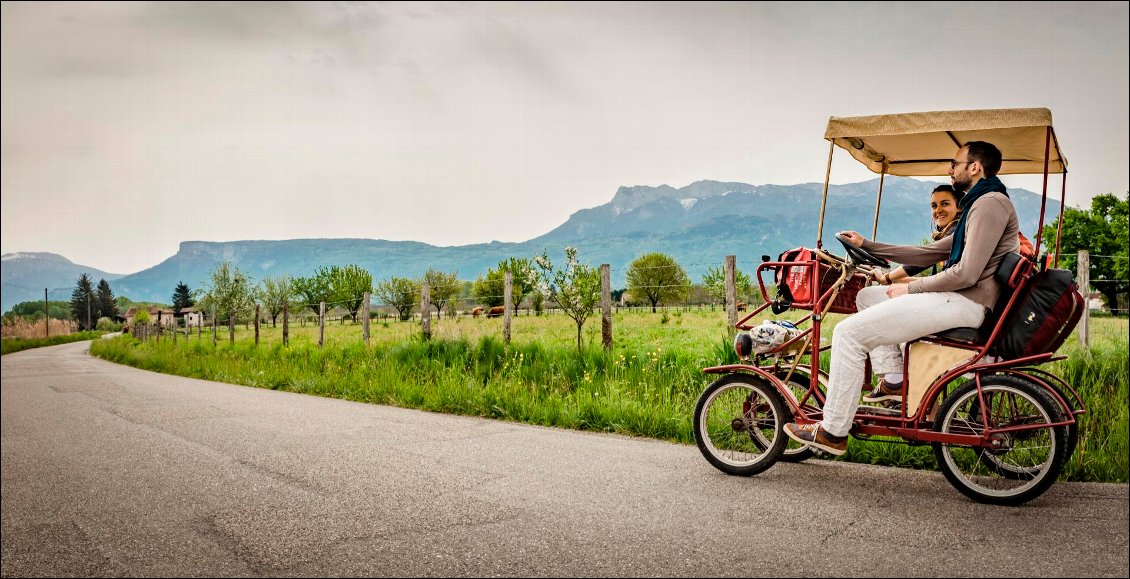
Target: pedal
(879,411)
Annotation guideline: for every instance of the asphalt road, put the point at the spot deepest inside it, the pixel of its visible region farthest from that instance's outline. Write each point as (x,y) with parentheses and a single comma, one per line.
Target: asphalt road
(109,470)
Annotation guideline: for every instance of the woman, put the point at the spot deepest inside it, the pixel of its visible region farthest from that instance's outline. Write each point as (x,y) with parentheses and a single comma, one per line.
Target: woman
(945,211)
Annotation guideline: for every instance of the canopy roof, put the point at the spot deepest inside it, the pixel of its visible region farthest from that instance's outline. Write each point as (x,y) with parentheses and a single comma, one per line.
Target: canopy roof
(922,144)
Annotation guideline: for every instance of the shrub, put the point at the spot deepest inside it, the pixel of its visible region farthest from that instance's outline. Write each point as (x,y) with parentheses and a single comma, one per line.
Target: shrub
(107,325)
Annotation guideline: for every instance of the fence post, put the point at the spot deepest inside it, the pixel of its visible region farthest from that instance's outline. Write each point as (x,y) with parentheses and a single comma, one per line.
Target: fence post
(365,319)
(176,330)
(426,311)
(731,294)
(1083,274)
(46,316)
(286,323)
(507,303)
(231,328)
(605,306)
(213,326)
(256,326)
(321,323)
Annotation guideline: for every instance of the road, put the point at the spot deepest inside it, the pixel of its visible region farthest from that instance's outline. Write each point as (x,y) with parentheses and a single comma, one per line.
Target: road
(114,471)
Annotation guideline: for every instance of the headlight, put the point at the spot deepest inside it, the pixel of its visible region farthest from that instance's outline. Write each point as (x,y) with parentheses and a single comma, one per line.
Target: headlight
(743,345)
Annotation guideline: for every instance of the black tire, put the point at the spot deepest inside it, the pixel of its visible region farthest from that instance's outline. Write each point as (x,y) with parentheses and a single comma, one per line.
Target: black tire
(1072,403)
(738,424)
(1027,462)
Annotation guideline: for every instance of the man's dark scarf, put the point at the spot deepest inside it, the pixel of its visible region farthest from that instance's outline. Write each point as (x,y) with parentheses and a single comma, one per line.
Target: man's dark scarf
(986,185)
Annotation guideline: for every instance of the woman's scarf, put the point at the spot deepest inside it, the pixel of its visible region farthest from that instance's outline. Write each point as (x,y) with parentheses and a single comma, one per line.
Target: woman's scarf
(948,229)
(941,234)
(986,185)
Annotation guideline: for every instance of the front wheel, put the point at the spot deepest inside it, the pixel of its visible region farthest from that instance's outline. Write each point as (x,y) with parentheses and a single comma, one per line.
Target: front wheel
(1028,453)
(738,424)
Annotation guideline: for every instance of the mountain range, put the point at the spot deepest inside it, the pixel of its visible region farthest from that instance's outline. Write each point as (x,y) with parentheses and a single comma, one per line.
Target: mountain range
(697,225)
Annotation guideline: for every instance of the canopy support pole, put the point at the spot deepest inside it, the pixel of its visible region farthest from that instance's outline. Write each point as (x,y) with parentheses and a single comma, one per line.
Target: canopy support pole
(878,201)
(1062,203)
(1044,201)
(824,200)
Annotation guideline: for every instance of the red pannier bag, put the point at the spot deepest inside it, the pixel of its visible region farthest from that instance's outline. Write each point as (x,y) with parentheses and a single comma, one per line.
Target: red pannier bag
(794,283)
(1043,317)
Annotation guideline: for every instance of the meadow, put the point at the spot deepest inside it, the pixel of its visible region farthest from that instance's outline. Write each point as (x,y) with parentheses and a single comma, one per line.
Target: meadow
(646,385)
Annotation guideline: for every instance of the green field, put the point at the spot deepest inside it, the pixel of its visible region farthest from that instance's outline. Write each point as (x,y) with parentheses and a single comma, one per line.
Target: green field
(646,385)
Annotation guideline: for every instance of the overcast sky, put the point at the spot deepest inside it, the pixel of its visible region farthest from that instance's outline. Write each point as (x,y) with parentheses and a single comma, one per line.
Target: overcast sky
(128,128)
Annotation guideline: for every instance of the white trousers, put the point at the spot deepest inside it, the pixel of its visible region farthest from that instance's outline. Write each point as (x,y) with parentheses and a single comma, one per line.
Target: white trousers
(878,328)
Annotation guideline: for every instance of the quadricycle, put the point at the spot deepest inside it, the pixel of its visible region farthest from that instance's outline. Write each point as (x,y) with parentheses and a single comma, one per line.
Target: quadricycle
(1000,426)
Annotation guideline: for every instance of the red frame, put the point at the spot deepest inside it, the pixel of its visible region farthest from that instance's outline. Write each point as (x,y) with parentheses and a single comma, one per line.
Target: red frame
(917,427)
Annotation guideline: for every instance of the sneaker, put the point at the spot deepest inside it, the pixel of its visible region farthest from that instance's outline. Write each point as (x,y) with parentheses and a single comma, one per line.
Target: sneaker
(815,435)
(884,391)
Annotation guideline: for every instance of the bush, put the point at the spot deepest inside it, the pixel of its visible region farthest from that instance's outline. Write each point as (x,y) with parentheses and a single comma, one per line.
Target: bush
(107,325)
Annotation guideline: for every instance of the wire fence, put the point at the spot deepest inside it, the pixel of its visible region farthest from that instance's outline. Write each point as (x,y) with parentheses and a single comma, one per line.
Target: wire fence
(1108,306)
(1106,295)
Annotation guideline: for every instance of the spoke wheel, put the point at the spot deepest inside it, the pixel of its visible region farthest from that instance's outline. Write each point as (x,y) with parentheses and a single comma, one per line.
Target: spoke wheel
(738,424)
(1023,463)
(798,385)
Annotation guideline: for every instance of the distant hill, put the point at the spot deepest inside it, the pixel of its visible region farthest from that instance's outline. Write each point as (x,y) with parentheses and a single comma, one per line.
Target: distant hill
(698,225)
(26,274)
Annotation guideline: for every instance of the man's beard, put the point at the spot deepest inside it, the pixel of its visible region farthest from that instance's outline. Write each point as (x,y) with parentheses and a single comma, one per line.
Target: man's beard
(962,184)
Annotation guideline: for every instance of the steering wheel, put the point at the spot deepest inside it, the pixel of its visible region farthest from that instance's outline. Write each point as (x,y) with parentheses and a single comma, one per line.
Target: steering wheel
(861,256)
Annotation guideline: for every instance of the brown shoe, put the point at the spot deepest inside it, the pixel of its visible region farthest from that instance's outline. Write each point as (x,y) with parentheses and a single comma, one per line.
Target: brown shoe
(885,391)
(815,435)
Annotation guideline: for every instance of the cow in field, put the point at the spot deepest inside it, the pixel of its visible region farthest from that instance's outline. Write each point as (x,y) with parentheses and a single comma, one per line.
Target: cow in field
(496,311)
(741,306)
(477,312)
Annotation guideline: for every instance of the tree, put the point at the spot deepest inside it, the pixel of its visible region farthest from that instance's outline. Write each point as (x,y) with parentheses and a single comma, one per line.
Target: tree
(1102,231)
(84,304)
(715,283)
(401,293)
(182,299)
(275,293)
(520,284)
(575,289)
(57,310)
(229,291)
(488,290)
(107,307)
(657,277)
(442,287)
(314,289)
(348,286)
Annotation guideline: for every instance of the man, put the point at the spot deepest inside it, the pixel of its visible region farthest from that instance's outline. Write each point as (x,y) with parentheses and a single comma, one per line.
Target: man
(958,296)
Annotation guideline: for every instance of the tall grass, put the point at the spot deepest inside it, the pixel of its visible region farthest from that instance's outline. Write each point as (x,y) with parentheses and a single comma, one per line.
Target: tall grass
(646,385)
(21,327)
(10,345)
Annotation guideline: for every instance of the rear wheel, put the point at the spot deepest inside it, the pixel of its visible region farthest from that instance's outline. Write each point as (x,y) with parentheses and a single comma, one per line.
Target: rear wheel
(1027,453)
(738,424)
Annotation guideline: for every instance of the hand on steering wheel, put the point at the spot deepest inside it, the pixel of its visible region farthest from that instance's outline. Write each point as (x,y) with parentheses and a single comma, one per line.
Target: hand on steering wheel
(859,255)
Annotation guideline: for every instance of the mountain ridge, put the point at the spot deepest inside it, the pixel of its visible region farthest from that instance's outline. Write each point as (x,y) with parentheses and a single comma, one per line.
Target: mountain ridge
(697,225)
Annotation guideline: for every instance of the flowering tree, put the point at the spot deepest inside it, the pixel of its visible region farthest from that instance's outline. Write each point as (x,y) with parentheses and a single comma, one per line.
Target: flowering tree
(575,289)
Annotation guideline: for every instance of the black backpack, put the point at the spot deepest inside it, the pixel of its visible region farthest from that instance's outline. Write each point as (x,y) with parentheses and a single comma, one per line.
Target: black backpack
(1044,315)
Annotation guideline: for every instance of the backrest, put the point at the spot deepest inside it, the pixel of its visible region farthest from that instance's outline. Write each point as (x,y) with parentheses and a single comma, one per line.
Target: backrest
(1013,270)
